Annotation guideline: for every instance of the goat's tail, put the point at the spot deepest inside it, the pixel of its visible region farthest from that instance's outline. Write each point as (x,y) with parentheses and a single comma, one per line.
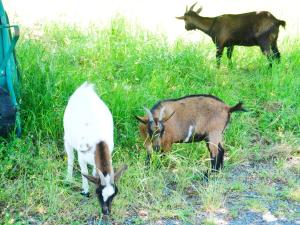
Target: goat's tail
(237,107)
(281,22)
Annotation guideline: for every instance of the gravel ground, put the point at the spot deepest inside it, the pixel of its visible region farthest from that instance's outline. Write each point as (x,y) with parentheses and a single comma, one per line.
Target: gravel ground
(237,201)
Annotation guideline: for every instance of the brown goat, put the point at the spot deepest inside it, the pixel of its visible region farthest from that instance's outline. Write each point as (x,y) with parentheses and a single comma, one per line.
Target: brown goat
(247,29)
(184,120)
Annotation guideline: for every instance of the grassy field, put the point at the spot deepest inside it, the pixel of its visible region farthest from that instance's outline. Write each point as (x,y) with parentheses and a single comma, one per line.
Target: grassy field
(132,68)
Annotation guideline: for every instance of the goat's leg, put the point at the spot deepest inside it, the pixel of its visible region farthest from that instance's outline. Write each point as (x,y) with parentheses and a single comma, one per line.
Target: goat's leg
(220,158)
(219,55)
(276,52)
(84,170)
(213,149)
(229,54)
(70,154)
(149,153)
(265,48)
(216,153)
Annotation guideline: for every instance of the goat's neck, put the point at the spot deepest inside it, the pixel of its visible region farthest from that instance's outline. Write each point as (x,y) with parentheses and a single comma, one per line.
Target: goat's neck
(103,158)
(204,24)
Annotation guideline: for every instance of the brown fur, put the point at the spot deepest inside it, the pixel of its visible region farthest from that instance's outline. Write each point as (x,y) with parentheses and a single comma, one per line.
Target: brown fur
(207,114)
(103,158)
(247,29)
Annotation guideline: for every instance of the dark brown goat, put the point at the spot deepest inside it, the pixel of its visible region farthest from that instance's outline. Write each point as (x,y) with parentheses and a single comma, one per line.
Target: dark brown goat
(247,29)
(188,119)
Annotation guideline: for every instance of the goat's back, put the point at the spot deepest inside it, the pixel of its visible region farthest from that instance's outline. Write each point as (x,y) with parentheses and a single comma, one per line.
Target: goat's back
(252,24)
(205,112)
(87,120)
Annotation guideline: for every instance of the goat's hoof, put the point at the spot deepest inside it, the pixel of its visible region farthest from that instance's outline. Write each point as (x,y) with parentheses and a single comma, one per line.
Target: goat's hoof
(69,179)
(205,176)
(147,164)
(85,194)
(68,182)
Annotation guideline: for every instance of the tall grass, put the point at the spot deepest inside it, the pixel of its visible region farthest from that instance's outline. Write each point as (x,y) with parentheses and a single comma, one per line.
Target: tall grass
(132,68)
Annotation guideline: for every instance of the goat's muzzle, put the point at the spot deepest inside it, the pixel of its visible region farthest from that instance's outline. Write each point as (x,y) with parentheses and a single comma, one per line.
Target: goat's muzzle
(156,148)
(105,211)
(190,27)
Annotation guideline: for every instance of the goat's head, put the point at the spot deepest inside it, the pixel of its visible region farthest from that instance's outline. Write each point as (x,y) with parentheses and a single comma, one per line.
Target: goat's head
(188,17)
(106,188)
(155,126)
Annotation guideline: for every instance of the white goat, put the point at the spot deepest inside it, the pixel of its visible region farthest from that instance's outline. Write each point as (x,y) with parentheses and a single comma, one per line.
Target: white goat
(87,122)
(88,128)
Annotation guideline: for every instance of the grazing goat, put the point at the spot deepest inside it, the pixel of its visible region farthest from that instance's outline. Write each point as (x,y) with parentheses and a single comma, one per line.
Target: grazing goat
(184,120)
(247,29)
(88,128)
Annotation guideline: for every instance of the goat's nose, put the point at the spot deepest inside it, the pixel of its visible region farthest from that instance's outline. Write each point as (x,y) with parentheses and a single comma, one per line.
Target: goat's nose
(105,211)
(156,148)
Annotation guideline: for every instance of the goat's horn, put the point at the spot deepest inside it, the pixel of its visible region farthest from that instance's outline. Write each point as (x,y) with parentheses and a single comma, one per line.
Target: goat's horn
(161,114)
(102,178)
(150,116)
(180,17)
(192,7)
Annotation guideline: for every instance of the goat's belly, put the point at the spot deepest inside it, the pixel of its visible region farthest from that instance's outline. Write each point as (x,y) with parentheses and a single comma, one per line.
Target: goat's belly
(247,42)
(193,138)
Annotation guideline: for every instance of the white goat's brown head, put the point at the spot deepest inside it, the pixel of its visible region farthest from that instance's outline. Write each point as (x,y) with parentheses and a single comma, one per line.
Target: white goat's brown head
(106,188)
(155,126)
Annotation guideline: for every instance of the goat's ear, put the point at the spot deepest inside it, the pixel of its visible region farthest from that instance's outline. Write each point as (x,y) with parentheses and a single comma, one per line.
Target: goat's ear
(143,120)
(168,117)
(95,180)
(120,172)
(199,10)
(180,17)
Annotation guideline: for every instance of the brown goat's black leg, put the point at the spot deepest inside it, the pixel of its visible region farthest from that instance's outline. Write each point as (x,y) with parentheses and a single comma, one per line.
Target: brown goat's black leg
(219,55)
(213,160)
(229,54)
(265,48)
(276,53)
(216,156)
(220,158)
(215,149)
(148,159)
(149,154)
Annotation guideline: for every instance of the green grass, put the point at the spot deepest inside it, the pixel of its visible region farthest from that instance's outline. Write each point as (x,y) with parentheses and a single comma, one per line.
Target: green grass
(132,68)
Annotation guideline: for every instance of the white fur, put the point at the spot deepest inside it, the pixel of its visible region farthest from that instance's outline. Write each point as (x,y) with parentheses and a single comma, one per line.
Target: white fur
(108,190)
(87,121)
(189,134)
